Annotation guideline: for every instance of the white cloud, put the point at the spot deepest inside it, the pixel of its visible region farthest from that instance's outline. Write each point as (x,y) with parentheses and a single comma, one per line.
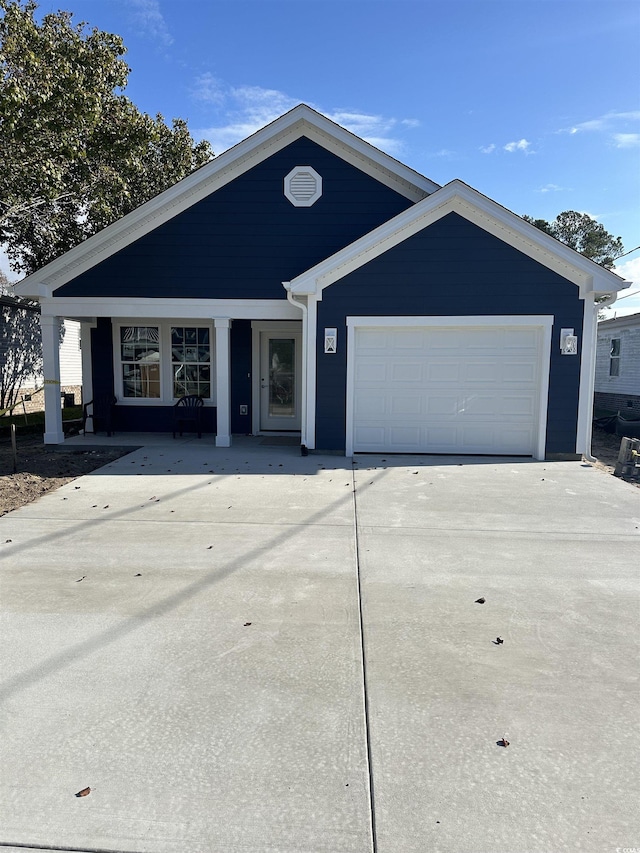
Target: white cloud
(619,127)
(604,122)
(245,109)
(626,140)
(208,89)
(628,301)
(551,188)
(445,153)
(147,14)
(489,148)
(520,145)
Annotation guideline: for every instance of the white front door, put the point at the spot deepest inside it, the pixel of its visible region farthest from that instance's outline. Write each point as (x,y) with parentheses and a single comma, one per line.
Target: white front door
(280,380)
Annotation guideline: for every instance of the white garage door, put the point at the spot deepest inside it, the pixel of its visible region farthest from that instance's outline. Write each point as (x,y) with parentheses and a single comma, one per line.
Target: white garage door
(446,389)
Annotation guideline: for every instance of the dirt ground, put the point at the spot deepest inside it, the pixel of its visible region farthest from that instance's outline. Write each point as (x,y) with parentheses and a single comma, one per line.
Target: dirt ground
(40,470)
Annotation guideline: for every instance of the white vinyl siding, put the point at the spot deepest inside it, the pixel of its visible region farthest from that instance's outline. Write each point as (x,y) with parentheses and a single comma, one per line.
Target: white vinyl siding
(627,379)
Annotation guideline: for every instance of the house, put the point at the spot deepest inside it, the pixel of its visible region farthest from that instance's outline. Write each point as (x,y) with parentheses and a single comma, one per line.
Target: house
(305,282)
(617,382)
(28,389)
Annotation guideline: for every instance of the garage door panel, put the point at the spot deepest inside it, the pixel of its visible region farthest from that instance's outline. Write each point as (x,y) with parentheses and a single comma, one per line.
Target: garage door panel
(405,405)
(409,339)
(371,406)
(406,371)
(521,339)
(446,390)
(517,406)
(443,371)
(442,404)
(520,372)
(481,371)
(371,370)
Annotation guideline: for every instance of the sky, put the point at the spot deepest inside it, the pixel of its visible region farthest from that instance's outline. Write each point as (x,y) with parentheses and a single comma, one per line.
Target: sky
(535,103)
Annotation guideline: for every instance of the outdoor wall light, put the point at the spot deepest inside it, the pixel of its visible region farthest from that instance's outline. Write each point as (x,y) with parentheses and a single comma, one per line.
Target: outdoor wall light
(568,342)
(331,340)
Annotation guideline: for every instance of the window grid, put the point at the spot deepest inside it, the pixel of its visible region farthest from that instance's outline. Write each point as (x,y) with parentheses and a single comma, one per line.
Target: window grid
(191,361)
(140,361)
(614,357)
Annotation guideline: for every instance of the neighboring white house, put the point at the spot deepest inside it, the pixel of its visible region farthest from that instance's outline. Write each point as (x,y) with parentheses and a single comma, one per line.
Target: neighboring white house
(31,392)
(617,383)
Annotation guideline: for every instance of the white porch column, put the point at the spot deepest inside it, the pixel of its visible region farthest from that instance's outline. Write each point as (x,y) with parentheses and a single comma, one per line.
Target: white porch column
(53,432)
(85,352)
(223,382)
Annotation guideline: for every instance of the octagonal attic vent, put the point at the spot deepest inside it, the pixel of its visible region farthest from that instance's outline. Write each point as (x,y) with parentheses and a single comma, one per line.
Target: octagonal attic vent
(303,186)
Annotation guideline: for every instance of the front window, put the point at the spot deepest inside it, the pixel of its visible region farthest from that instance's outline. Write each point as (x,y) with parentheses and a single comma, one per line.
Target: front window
(191,361)
(140,361)
(614,357)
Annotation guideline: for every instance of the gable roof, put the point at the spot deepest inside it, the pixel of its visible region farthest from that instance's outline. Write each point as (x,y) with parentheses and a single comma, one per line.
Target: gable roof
(458,197)
(298,122)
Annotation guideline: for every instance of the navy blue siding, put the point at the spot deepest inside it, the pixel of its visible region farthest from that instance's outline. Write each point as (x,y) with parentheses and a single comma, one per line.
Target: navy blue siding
(452,267)
(102,357)
(245,239)
(240,376)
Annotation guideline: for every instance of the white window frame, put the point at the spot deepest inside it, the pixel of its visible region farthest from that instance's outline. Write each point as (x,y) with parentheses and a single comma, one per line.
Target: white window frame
(164,327)
(615,359)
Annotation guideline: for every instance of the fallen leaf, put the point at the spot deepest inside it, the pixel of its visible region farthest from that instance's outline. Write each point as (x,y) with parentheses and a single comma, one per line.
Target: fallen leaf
(84,792)
(479,601)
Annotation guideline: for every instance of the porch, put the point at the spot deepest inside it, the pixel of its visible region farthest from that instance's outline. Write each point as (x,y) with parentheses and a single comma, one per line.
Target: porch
(250,372)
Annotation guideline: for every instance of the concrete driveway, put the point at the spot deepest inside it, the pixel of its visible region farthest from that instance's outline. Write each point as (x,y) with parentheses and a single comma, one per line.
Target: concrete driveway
(247,650)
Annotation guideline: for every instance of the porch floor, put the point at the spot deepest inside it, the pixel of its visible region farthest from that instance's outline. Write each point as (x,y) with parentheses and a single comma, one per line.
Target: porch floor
(134,440)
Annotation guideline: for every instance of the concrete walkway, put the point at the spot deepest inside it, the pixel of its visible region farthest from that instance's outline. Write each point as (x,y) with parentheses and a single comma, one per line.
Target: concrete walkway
(247,650)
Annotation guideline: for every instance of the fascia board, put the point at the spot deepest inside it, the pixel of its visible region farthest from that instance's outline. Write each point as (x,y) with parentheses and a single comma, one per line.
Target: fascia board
(167,308)
(457,197)
(31,288)
(300,121)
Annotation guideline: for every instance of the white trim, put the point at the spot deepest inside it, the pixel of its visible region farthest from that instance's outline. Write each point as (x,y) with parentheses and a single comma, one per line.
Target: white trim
(587,376)
(50,328)
(457,197)
(223,381)
(258,326)
(169,309)
(87,365)
(311,377)
(543,322)
(298,122)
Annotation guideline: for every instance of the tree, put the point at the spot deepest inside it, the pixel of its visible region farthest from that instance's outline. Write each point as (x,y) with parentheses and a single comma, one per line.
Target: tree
(20,342)
(584,234)
(77,153)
